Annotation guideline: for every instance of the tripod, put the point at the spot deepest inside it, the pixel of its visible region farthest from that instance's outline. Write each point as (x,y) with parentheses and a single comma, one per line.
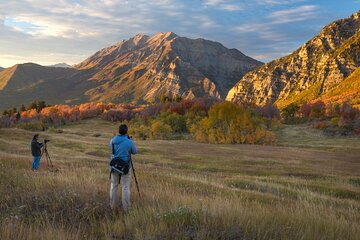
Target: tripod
(136,182)
(48,159)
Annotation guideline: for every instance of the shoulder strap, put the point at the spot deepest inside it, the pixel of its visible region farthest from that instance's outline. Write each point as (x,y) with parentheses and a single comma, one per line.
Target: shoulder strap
(113,149)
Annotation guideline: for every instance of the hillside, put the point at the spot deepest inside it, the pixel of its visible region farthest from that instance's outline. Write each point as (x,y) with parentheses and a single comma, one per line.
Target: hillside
(142,68)
(137,70)
(24,83)
(1,69)
(347,90)
(311,71)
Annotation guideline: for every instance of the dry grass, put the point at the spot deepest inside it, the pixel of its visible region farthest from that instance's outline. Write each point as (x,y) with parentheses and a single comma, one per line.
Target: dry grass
(306,188)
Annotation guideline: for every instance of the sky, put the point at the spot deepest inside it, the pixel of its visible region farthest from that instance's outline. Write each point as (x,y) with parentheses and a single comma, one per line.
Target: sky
(50,32)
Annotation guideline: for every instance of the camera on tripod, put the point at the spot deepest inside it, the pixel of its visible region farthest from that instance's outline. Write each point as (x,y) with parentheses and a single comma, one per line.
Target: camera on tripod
(46,140)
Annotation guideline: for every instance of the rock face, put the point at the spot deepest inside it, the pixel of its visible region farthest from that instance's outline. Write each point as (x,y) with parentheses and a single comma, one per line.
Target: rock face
(142,68)
(137,70)
(312,70)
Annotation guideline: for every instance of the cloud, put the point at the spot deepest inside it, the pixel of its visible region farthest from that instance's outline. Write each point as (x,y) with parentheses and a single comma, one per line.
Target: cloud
(302,13)
(280,2)
(223,5)
(47,31)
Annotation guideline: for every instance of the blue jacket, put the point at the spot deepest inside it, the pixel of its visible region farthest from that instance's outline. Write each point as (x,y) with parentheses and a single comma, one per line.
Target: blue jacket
(123,147)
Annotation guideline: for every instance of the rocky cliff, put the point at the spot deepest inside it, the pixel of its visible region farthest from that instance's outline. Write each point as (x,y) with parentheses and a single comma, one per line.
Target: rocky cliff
(138,70)
(312,70)
(142,68)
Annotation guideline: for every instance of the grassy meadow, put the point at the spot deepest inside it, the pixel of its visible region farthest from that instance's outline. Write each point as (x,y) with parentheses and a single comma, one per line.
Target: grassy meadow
(305,187)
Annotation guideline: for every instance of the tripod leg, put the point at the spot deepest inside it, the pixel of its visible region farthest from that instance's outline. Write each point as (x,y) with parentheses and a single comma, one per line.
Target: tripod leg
(49,159)
(136,182)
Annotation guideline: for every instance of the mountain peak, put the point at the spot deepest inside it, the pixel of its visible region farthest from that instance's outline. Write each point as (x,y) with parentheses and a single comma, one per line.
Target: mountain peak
(142,68)
(61,65)
(164,36)
(310,71)
(139,38)
(356,15)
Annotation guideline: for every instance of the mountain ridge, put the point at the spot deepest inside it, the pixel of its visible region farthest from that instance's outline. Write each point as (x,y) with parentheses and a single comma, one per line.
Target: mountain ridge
(61,65)
(137,70)
(317,66)
(166,63)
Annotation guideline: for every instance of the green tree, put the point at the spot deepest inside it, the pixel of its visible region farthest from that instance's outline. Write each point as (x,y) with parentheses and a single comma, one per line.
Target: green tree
(229,123)
(22,108)
(18,116)
(176,121)
(164,98)
(32,105)
(41,105)
(288,114)
(159,130)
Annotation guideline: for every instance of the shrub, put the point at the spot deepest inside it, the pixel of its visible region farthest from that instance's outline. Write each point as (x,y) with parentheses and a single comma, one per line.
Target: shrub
(141,132)
(175,121)
(317,110)
(159,130)
(229,123)
(32,126)
(320,125)
(288,114)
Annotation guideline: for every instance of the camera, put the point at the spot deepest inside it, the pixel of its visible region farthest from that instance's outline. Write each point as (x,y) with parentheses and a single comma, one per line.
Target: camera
(46,140)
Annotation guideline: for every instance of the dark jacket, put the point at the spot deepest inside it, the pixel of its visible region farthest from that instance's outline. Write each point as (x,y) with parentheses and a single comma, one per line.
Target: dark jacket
(36,148)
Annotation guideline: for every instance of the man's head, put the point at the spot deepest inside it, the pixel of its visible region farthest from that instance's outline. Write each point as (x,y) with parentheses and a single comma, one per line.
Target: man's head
(35,137)
(123,129)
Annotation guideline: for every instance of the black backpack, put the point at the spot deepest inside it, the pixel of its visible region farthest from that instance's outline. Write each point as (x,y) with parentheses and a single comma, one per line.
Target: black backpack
(119,165)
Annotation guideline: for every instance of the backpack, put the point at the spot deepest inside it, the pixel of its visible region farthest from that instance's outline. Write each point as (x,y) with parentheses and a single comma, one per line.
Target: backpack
(117,165)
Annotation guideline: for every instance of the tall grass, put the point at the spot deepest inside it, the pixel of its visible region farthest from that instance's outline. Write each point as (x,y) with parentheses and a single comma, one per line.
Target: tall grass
(188,190)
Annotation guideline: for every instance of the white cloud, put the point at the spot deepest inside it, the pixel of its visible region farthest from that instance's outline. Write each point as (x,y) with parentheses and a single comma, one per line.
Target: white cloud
(302,13)
(279,2)
(224,5)
(47,31)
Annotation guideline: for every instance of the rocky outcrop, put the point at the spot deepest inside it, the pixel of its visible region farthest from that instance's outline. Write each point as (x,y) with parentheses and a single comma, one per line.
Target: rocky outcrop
(142,68)
(312,70)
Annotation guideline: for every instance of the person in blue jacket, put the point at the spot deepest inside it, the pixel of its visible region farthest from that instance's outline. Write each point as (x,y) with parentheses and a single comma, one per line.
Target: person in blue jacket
(36,152)
(123,146)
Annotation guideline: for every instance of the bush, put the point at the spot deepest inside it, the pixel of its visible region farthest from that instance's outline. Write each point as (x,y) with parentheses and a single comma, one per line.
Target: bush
(142,131)
(175,121)
(320,125)
(159,130)
(55,130)
(229,123)
(288,114)
(32,126)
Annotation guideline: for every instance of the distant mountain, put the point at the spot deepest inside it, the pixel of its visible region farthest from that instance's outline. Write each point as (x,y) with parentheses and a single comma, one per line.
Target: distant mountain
(24,83)
(61,65)
(313,70)
(137,70)
(1,68)
(142,68)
